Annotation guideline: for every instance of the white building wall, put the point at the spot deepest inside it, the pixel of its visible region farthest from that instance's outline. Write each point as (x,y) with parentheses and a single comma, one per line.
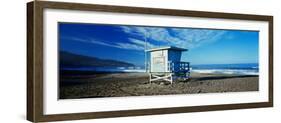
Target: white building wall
(158,61)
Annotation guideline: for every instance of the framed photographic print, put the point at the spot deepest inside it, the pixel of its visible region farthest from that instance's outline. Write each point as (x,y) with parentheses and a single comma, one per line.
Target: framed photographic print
(96,61)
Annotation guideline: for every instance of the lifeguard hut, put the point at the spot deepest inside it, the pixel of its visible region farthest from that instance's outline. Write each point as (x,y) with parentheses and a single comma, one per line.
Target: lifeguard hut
(165,64)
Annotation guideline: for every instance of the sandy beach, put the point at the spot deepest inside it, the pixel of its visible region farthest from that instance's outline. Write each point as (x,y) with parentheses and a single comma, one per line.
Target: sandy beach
(94,85)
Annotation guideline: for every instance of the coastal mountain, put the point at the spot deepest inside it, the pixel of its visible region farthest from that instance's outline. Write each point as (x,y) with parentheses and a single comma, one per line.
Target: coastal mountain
(68,59)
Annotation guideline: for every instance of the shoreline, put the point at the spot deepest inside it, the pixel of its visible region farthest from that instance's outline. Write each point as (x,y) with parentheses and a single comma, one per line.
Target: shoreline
(137,84)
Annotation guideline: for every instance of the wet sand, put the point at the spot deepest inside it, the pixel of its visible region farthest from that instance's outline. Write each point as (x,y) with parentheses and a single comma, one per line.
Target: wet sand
(93,85)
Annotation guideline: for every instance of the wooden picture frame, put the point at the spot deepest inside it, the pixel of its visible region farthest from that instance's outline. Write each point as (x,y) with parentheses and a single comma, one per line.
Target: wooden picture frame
(35,60)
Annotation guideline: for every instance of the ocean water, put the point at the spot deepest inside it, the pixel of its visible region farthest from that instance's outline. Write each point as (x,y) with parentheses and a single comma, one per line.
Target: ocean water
(239,69)
(107,69)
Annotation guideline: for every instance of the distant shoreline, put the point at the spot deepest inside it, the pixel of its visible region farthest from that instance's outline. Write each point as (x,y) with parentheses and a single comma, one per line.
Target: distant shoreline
(85,72)
(233,69)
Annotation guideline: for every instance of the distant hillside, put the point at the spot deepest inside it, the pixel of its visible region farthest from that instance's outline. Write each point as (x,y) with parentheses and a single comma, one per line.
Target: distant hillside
(68,59)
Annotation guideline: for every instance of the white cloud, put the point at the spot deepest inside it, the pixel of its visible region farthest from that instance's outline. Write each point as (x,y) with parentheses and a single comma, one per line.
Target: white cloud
(133,44)
(158,34)
(100,43)
(180,37)
(141,43)
(129,46)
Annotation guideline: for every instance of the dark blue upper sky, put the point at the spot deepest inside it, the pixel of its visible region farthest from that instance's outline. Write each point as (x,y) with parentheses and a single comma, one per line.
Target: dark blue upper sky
(127,43)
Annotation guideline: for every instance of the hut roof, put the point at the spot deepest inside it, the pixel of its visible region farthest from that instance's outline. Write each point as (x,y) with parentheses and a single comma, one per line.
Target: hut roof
(166,48)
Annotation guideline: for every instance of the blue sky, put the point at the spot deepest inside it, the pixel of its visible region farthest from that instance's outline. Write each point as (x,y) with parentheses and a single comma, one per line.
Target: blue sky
(126,43)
